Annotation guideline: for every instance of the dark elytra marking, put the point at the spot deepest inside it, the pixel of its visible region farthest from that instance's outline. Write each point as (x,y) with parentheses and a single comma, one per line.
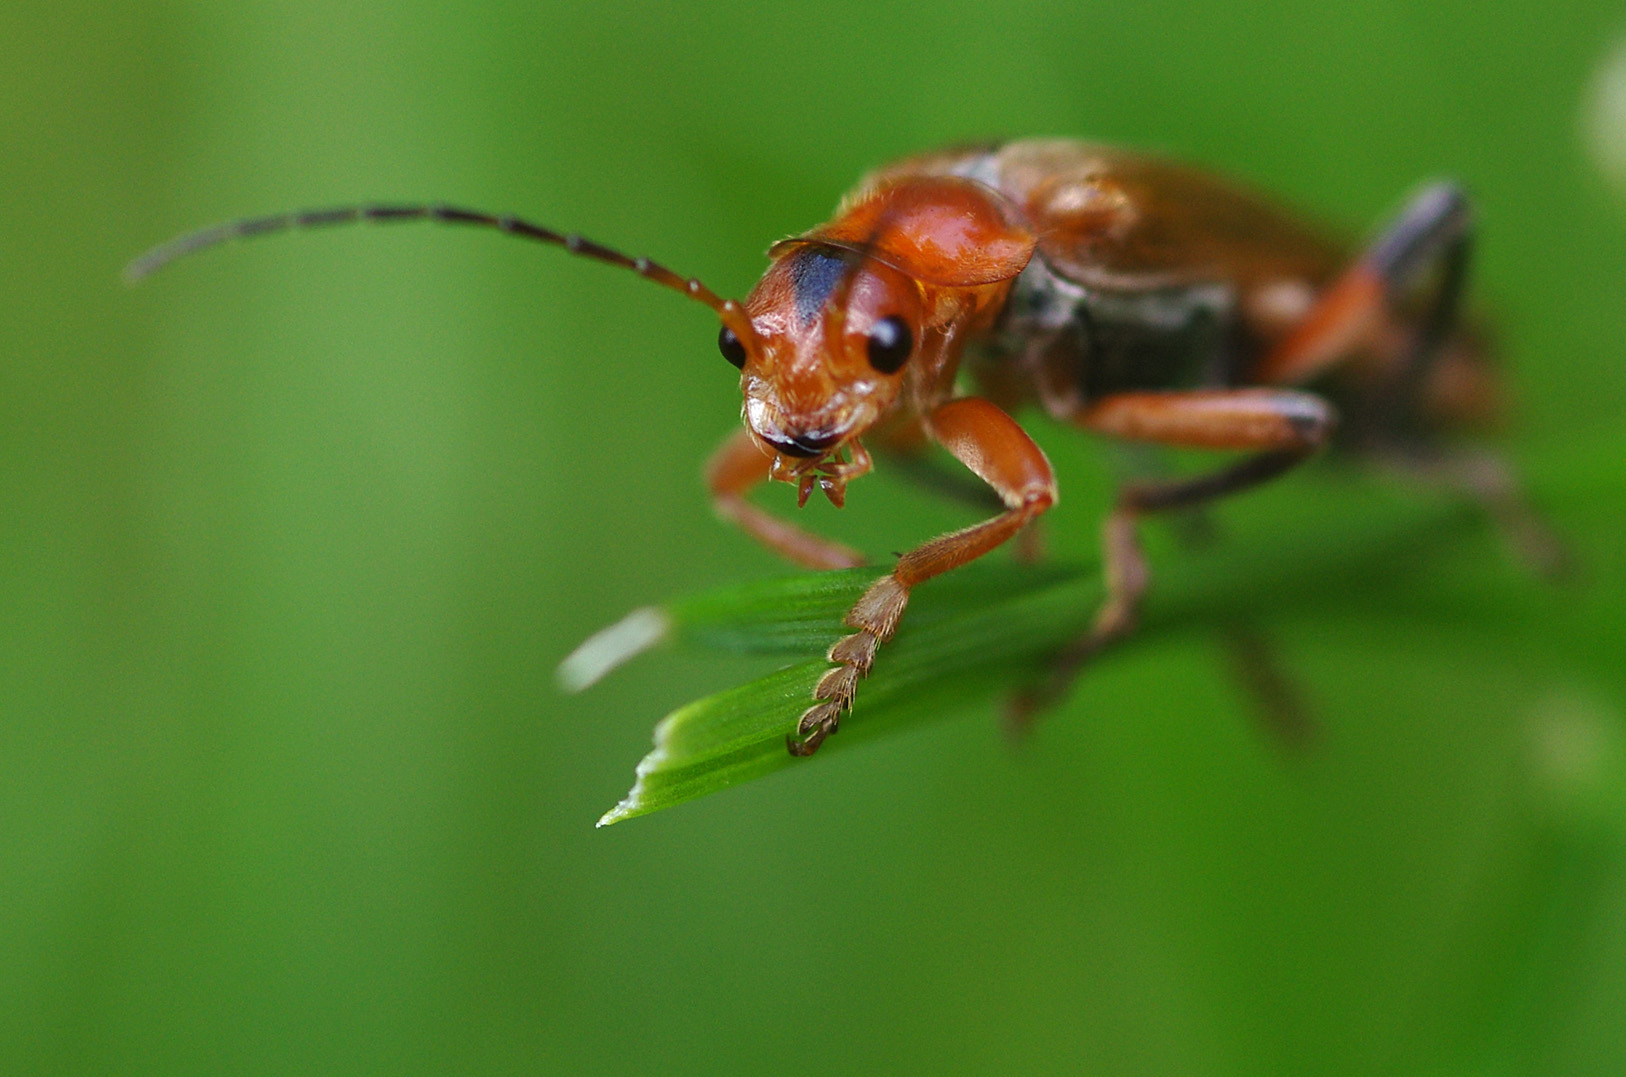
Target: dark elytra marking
(814,274)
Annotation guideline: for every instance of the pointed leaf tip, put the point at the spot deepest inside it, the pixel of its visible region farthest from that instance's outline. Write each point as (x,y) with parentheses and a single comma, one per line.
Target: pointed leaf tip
(610,647)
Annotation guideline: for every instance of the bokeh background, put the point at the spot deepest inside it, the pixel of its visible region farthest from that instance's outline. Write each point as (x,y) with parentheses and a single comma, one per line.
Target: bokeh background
(294,534)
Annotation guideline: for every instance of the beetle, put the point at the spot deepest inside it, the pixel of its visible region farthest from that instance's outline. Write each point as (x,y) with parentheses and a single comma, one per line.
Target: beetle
(1122,293)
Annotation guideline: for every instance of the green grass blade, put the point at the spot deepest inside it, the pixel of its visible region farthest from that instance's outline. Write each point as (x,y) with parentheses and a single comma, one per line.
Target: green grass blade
(988,629)
(961,644)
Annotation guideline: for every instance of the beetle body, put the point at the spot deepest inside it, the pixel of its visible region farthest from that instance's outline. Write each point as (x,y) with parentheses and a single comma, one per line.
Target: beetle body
(1128,295)
(1133,297)
(1136,274)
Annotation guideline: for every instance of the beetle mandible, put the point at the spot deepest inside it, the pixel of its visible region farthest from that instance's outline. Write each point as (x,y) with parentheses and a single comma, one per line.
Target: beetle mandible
(1128,295)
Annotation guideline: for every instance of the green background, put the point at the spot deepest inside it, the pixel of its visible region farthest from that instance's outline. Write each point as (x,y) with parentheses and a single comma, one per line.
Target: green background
(295,533)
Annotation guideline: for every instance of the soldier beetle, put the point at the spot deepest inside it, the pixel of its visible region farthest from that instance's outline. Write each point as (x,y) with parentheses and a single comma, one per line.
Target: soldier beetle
(1130,296)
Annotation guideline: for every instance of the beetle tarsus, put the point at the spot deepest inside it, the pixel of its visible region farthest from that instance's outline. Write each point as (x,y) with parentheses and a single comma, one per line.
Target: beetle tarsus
(1021,712)
(1024,709)
(856,651)
(834,693)
(839,685)
(817,723)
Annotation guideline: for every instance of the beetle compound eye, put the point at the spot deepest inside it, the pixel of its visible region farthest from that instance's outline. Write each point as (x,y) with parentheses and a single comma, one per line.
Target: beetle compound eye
(890,344)
(733,349)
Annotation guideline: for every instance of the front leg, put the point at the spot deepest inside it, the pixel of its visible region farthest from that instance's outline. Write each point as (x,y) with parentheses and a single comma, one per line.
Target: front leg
(738,465)
(999,452)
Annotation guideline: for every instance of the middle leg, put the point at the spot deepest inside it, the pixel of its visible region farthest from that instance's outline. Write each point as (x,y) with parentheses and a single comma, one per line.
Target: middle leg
(1281,426)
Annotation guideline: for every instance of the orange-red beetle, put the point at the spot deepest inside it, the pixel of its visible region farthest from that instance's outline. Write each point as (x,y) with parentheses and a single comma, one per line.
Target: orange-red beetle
(1128,295)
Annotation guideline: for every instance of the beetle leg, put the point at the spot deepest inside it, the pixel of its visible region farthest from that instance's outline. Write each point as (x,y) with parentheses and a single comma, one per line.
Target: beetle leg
(940,478)
(1489,481)
(737,466)
(910,464)
(1279,705)
(999,452)
(1434,232)
(1282,426)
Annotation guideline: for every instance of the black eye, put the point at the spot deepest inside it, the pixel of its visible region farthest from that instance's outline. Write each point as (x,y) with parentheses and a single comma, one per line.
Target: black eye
(728,342)
(889,344)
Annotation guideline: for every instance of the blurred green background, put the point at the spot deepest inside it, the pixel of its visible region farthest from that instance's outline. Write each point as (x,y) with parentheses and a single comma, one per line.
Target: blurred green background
(295,533)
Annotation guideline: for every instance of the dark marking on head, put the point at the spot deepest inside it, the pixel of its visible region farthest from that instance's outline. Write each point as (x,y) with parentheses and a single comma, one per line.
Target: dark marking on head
(814,274)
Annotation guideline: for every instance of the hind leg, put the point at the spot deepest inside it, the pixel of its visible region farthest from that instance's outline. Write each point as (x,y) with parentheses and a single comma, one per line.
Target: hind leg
(1484,478)
(1433,234)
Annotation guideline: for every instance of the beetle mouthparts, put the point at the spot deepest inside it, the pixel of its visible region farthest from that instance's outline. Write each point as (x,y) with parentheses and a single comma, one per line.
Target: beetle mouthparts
(801,445)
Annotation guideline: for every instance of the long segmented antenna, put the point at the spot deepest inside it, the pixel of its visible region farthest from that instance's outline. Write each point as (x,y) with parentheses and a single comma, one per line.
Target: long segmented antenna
(731,313)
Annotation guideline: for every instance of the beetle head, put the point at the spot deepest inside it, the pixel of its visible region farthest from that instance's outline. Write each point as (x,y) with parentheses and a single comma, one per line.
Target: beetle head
(835,334)
(847,317)
(854,315)
(844,321)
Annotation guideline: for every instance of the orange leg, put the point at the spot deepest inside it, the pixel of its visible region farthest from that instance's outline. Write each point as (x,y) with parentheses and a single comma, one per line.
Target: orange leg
(999,452)
(905,460)
(1433,232)
(740,464)
(1282,426)
(1430,244)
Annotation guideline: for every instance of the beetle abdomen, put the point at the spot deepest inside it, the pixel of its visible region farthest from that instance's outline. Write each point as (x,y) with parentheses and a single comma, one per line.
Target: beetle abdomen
(1078,343)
